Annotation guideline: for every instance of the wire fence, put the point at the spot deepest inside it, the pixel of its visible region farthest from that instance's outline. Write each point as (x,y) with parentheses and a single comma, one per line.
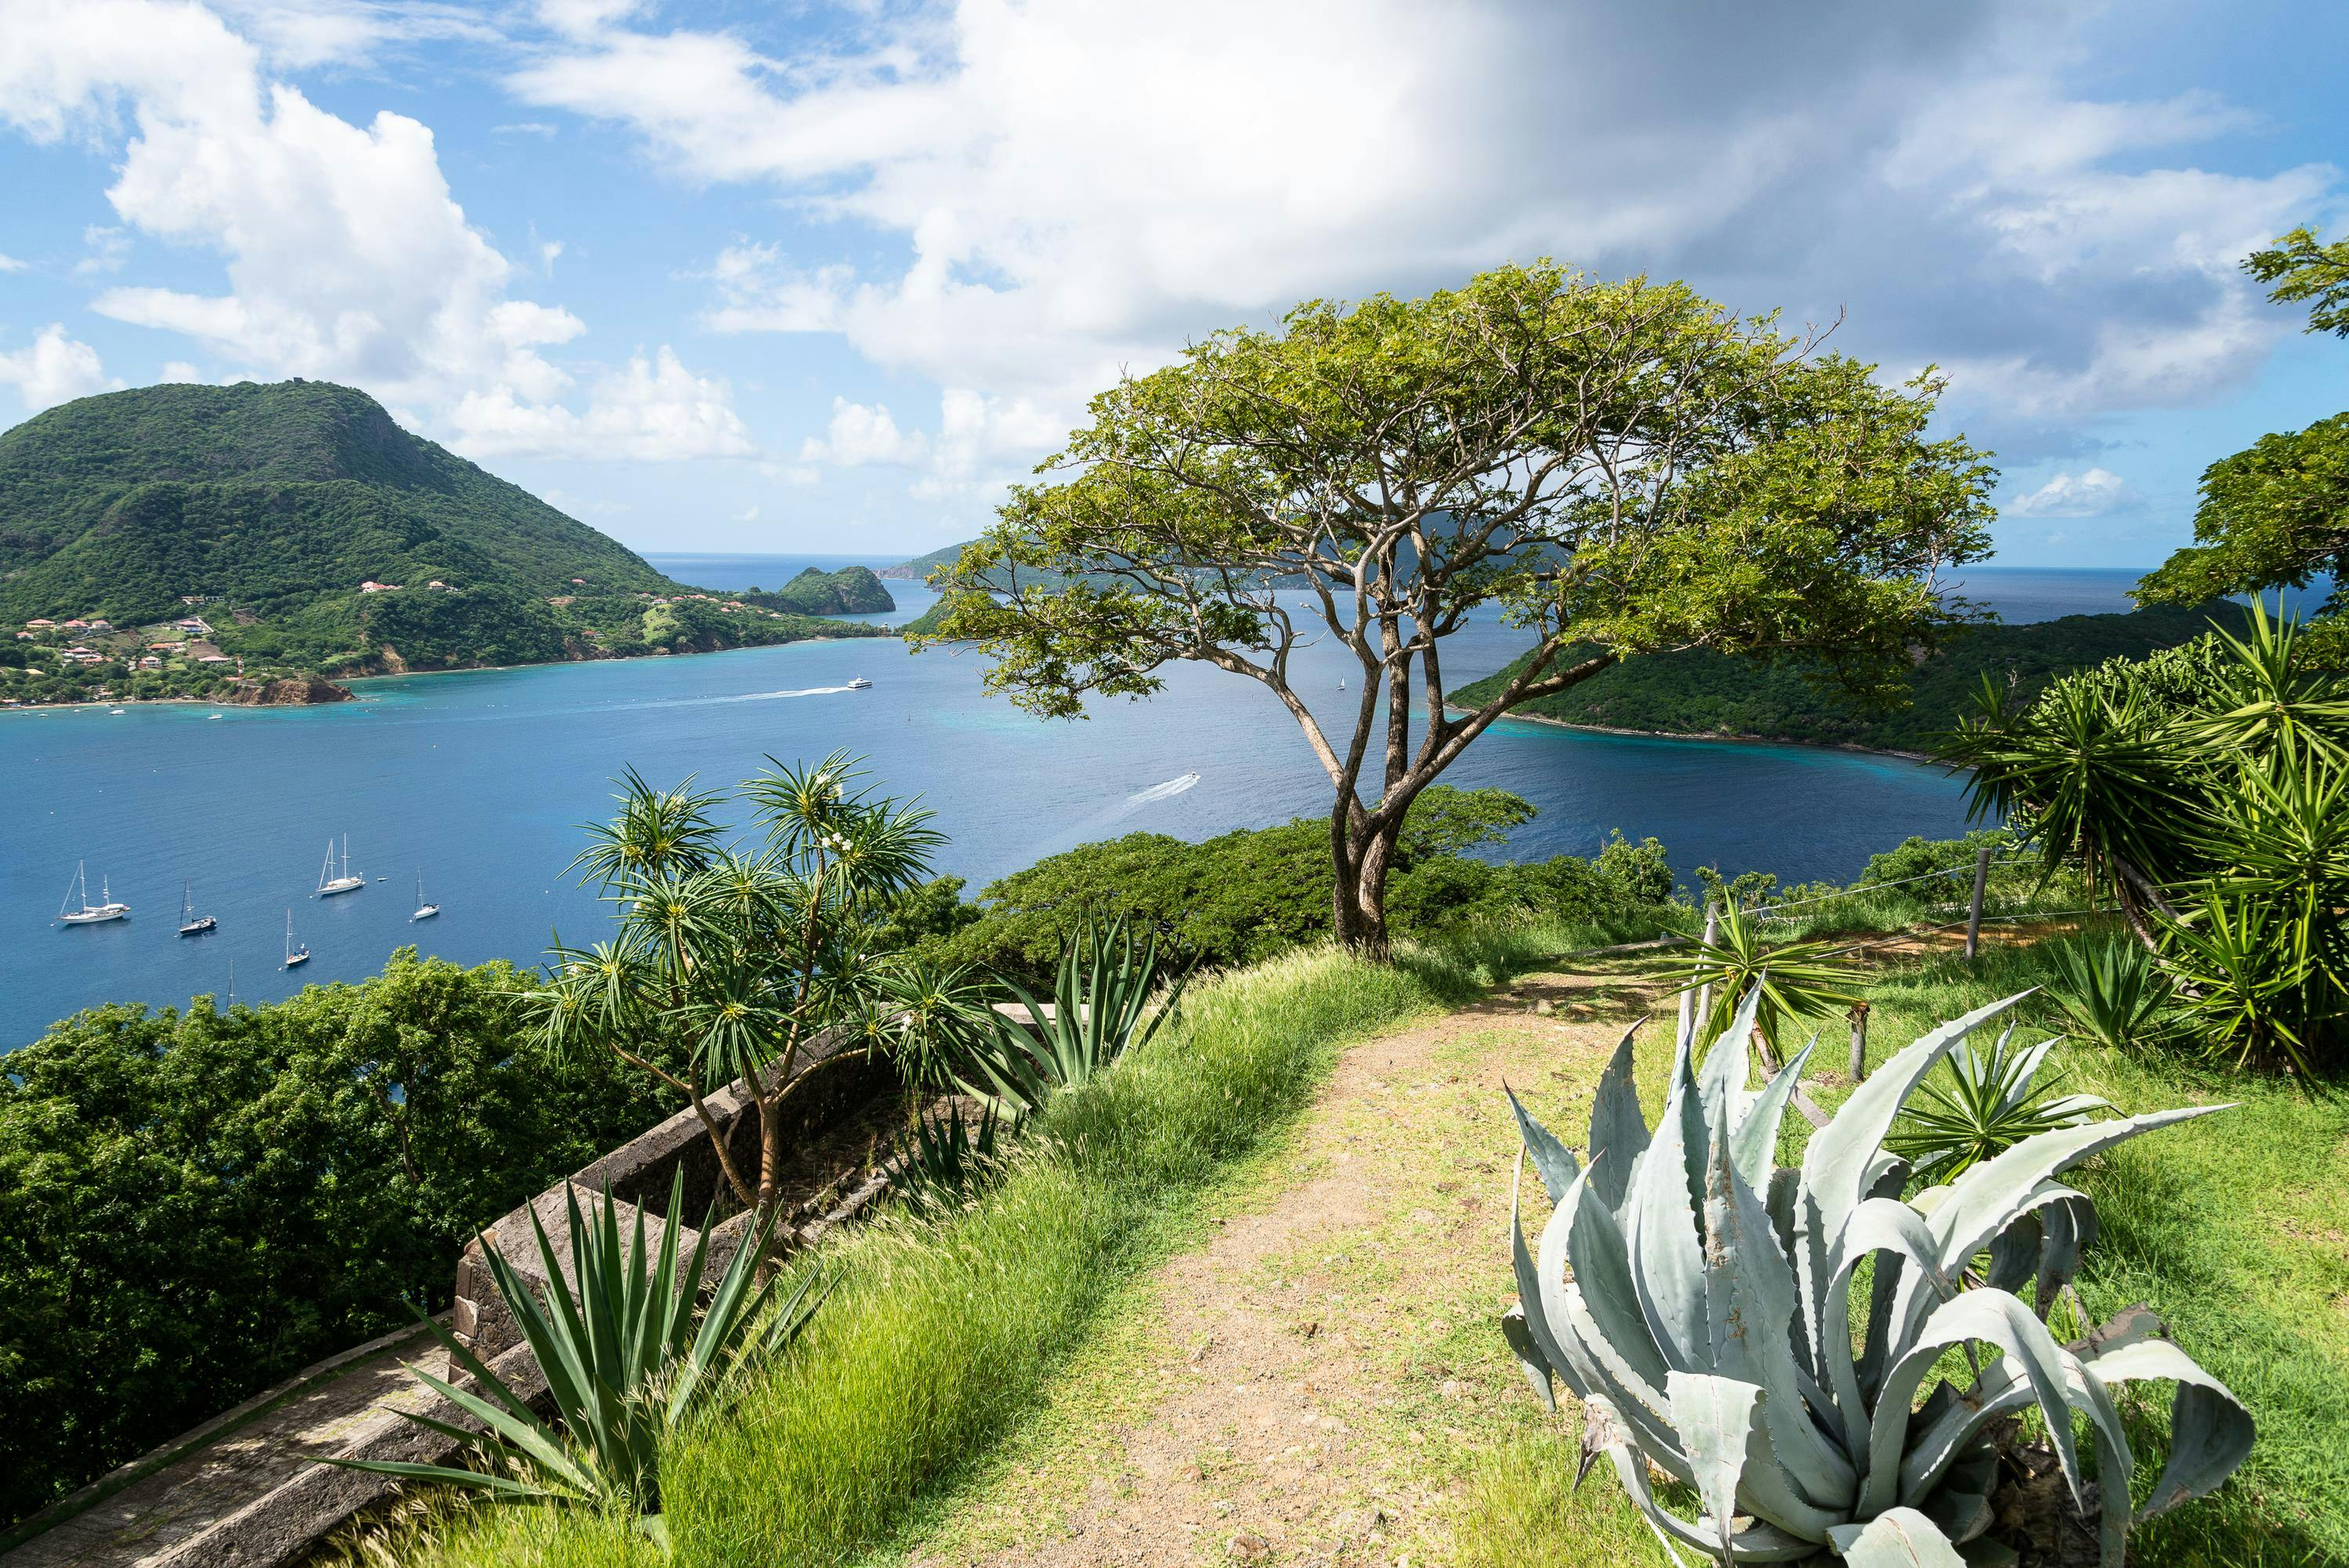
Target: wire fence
(1865,890)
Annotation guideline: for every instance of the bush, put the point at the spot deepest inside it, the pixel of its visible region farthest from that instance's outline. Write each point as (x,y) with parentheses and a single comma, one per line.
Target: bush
(193,1205)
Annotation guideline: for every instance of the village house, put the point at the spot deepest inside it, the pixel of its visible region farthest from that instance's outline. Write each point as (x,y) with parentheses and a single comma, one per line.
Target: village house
(372,586)
(38,625)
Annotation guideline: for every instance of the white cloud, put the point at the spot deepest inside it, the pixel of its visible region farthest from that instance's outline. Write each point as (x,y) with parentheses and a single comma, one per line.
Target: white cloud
(1079,189)
(108,248)
(863,434)
(54,368)
(748,515)
(11,264)
(653,411)
(2093,493)
(180,370)
(347,256)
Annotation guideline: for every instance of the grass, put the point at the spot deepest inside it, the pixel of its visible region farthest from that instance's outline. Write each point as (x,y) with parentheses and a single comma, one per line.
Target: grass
(942,1336)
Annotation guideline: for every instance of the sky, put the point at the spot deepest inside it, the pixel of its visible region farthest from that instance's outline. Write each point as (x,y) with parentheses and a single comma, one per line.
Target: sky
(809,277)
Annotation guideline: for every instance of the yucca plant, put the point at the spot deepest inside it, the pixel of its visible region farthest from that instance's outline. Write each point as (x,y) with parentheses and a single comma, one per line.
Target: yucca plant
(2114,992)
(1985,1104)
(625,1364)
(1696,1299)
(1103,1010)
(944,1158)
(1789,980)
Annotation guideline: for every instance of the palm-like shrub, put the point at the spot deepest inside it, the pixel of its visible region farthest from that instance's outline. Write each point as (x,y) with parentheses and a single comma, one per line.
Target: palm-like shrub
(1696,1299)
(942,1158)
(2113,992)
(1984,1105)
(1785,980)
(625,1364)
(1103,1010)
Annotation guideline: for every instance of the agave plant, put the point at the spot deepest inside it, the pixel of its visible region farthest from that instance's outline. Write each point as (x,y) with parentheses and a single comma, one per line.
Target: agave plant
(1105,983)
(2112,992)
(1790,979)
(1696,1299)
(625,1364)
(944,1158)
(1990,1101)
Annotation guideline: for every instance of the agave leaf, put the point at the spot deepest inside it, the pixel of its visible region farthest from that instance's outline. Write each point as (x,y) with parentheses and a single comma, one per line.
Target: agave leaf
(1532,1360)
(1554,1161)
(1988,1197)
(1730,1061)
(1619,1129)
(1715,1418)
(1759,1543)
(1999,1392)
(1536,1321)
(1666,1243)
(1594,1320)
(1757,1131)
(445,1475)
(1897,1538)
(1992,1316)
(2210,1431)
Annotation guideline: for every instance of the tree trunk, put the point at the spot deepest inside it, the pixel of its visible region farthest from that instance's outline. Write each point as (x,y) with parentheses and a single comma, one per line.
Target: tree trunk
(770,1153)
(1358,900)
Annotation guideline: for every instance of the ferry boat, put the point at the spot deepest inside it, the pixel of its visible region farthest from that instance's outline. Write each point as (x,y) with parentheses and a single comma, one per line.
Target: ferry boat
(293,954)
(190,922)
(330,881)
(423,910)
(76,909)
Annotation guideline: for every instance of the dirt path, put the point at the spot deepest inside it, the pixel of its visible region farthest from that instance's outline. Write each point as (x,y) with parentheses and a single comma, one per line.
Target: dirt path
(1315,1382)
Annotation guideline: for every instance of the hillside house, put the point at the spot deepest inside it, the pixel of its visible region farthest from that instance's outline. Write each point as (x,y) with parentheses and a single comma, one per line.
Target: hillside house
(192,624)
(150,663)
(76,625)
(372,586)
(40,625)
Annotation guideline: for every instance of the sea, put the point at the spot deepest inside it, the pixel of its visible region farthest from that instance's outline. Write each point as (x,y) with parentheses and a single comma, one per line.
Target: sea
(469,791)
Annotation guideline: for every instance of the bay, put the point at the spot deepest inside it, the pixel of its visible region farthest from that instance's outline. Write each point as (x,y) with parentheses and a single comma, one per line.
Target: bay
(478,781)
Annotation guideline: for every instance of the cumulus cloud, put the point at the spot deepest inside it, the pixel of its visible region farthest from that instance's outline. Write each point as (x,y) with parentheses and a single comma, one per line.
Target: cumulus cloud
(347,258)
(54,368)
(654,410)
(11,264)
(1077,189)
(180,370)
(2092,493)
(862,434)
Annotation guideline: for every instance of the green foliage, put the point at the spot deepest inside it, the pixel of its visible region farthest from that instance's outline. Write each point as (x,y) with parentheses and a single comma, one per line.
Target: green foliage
(2304,268)
(1983,1106)
(851,591)
(2273,514)
(1245,896)
(1781,982)
(942,1161)
(1709,1330)
(2114,992)
(193,1205)
(1706,693)
(728,963)
(625,1361)
(1102,1008)
(2204,790)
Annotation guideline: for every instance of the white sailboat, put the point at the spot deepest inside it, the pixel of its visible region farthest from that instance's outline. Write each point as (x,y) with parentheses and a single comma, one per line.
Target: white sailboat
(293,954)
(423,910)
(332,881)
(76,909)
(190,922)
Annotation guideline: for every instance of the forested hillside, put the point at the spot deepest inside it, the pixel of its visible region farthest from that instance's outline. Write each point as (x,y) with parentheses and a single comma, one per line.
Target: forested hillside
(1710,693)
(269,497)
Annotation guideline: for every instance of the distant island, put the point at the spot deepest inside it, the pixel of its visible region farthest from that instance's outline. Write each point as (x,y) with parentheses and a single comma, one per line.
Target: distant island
(1714,697)
(264,542)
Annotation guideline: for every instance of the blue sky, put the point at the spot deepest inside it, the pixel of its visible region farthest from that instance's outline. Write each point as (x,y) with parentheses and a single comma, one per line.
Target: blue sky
(810,277)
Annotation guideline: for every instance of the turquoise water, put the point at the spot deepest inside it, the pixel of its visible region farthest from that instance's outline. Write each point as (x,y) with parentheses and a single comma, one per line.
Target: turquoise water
(479,780)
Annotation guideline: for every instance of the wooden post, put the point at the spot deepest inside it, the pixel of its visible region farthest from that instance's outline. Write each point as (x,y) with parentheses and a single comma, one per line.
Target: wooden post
(1704,995)
(1858,1042)
(1974,914)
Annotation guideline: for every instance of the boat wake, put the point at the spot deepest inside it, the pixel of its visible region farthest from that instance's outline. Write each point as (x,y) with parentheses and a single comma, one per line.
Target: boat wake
(1168,791)
(750,697)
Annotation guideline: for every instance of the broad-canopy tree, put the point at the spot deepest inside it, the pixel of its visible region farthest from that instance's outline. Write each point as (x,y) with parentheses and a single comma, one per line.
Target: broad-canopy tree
(2275,514)
(1621,469)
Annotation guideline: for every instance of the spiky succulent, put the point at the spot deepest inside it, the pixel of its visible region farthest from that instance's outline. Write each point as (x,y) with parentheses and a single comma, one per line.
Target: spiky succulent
(1697,1299)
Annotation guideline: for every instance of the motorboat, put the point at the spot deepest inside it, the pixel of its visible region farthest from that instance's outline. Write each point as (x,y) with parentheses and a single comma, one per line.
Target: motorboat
(858,683)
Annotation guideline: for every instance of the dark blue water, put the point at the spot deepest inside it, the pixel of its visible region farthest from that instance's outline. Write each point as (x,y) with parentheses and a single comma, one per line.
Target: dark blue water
(479,780)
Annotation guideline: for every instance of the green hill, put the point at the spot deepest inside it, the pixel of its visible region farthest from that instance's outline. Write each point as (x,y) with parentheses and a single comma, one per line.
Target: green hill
(1705,693)
(851,591)
(272,508)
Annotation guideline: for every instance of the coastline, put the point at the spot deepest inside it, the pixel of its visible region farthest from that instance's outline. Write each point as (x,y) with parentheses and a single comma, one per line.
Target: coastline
(1715,737)
(348,682)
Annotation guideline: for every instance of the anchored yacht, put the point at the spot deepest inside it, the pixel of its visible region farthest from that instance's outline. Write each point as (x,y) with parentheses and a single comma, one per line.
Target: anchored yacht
(331,881)
(76,909)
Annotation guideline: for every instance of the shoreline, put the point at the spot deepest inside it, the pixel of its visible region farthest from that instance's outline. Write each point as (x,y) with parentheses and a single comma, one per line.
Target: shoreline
(351,681)
(1715,737)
